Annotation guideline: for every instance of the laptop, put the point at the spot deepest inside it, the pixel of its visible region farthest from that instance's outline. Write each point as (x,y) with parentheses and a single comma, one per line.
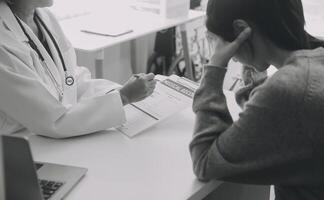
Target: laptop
(26,180)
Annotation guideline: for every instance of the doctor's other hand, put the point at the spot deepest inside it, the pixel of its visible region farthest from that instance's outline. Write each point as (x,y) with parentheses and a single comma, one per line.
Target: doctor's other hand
(137,88)
(221,50)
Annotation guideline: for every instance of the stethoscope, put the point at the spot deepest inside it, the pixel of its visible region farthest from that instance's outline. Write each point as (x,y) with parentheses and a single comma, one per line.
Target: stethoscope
(69,80)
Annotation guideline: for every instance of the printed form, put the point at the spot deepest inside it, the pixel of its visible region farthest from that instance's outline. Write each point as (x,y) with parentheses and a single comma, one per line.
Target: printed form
(172,94)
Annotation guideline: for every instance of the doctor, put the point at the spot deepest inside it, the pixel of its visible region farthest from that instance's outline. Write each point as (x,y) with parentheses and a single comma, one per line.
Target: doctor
(41,87)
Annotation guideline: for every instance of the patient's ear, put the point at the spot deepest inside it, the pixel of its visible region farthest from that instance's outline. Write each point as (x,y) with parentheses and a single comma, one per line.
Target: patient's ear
(239,25)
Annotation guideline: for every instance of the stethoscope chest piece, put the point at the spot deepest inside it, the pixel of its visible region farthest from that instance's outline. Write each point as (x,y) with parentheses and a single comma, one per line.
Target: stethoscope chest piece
(69,80)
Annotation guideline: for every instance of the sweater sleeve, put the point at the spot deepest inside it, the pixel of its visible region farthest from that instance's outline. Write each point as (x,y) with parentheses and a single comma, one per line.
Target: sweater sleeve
(264,146)
(251,79)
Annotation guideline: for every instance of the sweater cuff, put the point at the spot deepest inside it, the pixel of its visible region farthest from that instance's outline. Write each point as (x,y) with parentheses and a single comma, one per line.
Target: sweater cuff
(210,90)
(214,76)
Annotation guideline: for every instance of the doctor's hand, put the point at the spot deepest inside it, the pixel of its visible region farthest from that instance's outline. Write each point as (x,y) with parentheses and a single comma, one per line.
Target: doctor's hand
(221,50)
(137,88)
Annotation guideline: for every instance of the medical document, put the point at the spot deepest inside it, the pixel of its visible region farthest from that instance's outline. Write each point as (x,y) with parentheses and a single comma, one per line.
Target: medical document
(172,94)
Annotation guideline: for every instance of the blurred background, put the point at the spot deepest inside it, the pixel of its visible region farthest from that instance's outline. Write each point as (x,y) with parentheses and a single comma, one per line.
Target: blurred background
(117,58)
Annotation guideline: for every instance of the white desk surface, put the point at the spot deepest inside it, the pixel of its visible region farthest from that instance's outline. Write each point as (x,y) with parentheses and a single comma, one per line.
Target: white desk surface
(141,23)
(155,165)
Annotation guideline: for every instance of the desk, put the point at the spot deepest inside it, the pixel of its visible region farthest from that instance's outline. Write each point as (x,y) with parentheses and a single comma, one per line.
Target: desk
(141,23)
(155,165)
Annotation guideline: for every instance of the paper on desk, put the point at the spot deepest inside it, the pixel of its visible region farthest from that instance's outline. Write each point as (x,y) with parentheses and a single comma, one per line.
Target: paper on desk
(172,94)
(109,28)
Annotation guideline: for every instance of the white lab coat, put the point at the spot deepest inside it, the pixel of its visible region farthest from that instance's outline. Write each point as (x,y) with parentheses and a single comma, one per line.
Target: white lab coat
(28,97)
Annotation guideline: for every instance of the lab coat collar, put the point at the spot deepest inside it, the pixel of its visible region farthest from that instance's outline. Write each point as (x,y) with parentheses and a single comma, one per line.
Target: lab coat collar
(45,17)
(50,43)
(11,23)
(48,60)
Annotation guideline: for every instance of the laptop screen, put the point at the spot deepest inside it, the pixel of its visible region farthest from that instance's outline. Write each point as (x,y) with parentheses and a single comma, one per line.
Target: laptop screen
(21,181)
(2,189)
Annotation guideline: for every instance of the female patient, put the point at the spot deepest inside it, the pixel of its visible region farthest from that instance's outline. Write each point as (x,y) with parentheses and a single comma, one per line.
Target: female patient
(279,137)
(41,87)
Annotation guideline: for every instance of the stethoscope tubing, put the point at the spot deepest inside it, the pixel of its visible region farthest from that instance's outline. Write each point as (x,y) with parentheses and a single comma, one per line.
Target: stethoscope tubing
(69,80)
(53,40)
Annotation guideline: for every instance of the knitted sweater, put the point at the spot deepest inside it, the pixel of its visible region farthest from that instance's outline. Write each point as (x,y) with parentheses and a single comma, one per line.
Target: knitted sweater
(279,137)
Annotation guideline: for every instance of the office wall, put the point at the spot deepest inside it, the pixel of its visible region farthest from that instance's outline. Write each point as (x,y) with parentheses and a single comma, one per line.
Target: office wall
(66,9)
(314,16)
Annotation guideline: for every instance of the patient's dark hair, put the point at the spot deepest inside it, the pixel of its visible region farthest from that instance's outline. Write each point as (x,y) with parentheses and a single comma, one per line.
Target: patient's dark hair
(282,21)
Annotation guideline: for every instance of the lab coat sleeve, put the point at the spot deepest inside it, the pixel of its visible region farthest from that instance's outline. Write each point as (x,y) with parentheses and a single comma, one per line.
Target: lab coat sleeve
(88,87)
(25,99)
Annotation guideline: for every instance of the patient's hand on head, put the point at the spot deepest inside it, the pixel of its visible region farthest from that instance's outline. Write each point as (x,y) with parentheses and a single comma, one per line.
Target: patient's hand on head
(222,51)
(137,88)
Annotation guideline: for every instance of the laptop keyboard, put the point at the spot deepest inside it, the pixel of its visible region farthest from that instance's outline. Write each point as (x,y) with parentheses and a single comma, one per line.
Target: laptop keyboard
(49,188)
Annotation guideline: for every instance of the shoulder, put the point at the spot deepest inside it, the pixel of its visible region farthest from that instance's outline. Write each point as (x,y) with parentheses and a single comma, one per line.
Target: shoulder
(285,89)
(289,78)
(301,76)
(12,50)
